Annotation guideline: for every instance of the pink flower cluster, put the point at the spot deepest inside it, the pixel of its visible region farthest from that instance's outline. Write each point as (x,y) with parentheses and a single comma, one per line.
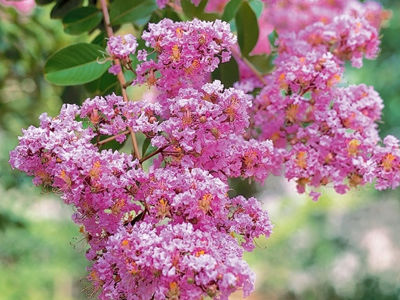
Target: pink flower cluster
(326,134)
(171,262)
(171,231)
(294,15)
(122,46)
(206,128)
(187,52)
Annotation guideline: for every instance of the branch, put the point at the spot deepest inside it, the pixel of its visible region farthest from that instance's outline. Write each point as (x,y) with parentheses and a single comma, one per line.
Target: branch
(153,154)
(120,75)
(111,138)
(250,65)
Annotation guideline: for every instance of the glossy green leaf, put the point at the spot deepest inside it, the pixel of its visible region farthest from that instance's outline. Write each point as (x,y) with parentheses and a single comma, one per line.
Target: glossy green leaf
(230,10)
(113,145)
(263,63)
(227,72)
(82,19)
(167,12)
(192,11)
(131,11)
(63,7)
(272,37)
(75,64)
(247,28)
(105,85)
(209,16)
(145,146)
(100,40)
(189,9)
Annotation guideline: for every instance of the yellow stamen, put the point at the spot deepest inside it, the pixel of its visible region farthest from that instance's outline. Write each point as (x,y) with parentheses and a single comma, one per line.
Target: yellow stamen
(353,147)
(302,159)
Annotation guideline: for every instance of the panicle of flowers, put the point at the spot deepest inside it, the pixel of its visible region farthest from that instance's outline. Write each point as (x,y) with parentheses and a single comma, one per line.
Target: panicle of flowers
(327,137)
(205,128)
(294,15)
(122,46)
(386,158)
(187,52)
(326,134)
(347,37)
(111,115)
(171,231)
(173,261)
(179,204)
(314,70)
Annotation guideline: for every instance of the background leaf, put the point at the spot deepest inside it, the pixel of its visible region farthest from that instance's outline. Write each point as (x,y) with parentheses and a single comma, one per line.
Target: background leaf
(105,85)
(113,145)
(124,11)
(43,2)
(82,19)
(227,72)
(192,11)
(263,62)
(145,146)
(272,37)
(230,10)
(247,28)
(75,64)
(63,7)
(100,39)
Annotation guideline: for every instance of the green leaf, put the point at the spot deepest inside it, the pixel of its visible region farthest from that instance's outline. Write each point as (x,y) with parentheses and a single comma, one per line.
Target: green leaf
(189,9)
(124,11)
(192,11)
(202,5)
(75,64)
(208,16)
(167,12)
(247,28)
(257,6)
(272,37)
(100,40)
(145,146)
(82,19)
(230,10)
(63,7)
(105,85)
(263,63)
(85,122)
(227,72)
(43,2)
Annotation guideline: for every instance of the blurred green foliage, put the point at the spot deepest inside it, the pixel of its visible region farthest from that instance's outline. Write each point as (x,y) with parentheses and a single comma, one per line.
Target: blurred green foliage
(321,250)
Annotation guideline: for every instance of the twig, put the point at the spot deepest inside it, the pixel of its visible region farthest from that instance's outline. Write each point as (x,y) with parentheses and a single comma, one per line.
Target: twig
(250,65)
(120,75)
(111,138)
(128,84)
(153,154)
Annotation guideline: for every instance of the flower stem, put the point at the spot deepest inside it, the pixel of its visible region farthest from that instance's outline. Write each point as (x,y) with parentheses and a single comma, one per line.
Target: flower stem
(153,154)
(111,138)
(120,75)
